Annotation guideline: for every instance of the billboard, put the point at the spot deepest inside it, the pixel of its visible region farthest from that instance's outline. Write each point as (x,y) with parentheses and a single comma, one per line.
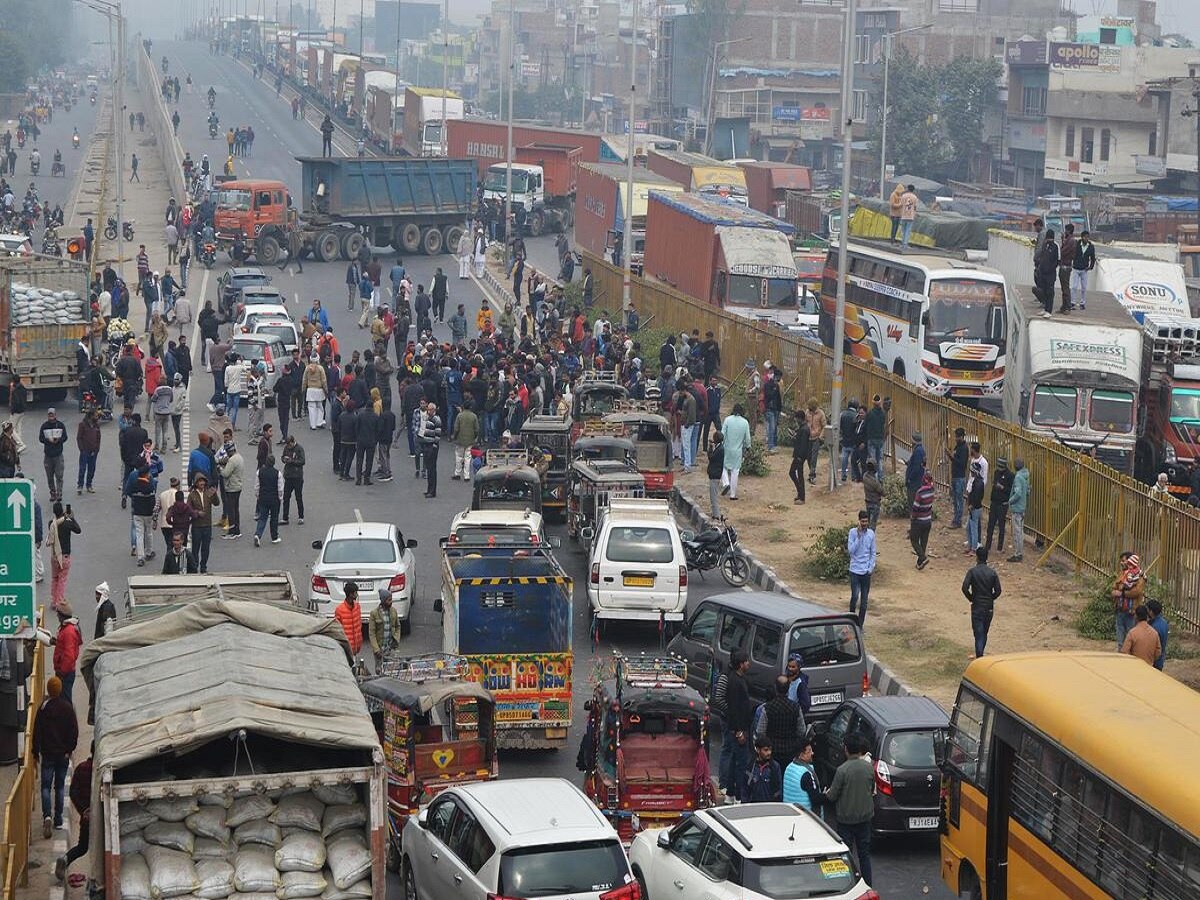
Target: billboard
(1102,58)
(1025,53)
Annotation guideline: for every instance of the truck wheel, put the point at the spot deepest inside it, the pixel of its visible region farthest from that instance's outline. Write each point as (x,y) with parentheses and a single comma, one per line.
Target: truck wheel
(431,241)
(537,223)
(326,246)
(451,235)
(352,242)
(393,856)
(267,251)
(410,237)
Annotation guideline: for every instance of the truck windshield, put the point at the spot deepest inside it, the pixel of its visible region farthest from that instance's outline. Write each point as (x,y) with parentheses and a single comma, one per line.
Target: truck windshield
(236,200)
(433,133)
(1054,406)
(1111,411)
(497,180)
(1185,405)
(964,308)
(746,290)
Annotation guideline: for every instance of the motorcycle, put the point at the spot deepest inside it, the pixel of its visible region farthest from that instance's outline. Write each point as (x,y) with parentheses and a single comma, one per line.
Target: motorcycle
(75,140)
(110,229)
(212,130)
(208,254)
(20,140)
(92,98)
(716,547)
(51,245)
(212,101)
(58,169)
(35,166)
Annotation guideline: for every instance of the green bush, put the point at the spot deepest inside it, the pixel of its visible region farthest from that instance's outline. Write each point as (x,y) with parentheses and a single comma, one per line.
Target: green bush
(895,497)
(827,556)
(1097,619)
(754,459)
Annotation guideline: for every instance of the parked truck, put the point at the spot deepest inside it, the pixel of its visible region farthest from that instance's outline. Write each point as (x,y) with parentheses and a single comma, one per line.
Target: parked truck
(603,206)
(44,314)
(768,184)
(508,611)
(413,204)
(545,179)
(700,174)
(225,717)
(150,596)
(423,113)
(723,254)
(485,140)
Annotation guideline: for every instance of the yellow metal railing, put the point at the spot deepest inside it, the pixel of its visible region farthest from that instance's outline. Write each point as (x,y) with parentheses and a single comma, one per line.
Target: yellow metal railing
(18,808)
(1079,506)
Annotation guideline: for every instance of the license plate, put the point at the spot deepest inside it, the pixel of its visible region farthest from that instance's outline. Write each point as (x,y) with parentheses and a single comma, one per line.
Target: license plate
(638,581)
(819,699)
(365,586)
(916,822)
(552,733)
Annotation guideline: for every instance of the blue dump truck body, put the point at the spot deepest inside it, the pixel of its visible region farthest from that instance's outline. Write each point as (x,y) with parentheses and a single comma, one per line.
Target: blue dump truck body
(508,612)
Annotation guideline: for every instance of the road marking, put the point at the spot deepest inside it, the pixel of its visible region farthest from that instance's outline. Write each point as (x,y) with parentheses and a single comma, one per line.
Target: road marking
(185,424)
(358,516)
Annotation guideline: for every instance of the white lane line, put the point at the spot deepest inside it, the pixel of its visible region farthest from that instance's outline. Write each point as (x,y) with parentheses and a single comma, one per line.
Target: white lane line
(185,424)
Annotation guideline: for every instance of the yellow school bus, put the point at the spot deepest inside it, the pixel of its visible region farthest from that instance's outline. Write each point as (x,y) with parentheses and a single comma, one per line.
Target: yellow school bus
(1071,775)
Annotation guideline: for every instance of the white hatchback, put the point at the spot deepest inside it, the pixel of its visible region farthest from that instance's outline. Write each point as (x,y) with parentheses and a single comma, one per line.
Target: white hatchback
(637,571)
(754,851)
(375,556)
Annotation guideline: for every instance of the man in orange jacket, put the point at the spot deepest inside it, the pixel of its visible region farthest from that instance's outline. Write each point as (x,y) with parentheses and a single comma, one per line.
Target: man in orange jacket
(349,615)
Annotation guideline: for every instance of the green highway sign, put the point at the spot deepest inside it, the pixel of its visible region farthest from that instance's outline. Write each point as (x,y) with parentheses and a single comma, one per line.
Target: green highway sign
(17,589)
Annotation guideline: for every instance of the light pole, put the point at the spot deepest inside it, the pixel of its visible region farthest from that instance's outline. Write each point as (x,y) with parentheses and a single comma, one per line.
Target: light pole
(839,324)
(627,227)
(396,92)
(508,146)
(445,72)
(712,87)
(887,58)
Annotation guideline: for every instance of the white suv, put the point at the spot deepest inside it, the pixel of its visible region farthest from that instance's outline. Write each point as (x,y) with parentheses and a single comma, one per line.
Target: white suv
(755,851)
(637,571)
(521,837)
(373,555)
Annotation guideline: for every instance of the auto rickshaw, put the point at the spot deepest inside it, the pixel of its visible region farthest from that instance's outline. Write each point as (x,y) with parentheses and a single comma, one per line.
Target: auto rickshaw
(593,482)
(644,753)
(437,728)
(596,394)
(645,425)
(552,435)
(599,440)
(507,480)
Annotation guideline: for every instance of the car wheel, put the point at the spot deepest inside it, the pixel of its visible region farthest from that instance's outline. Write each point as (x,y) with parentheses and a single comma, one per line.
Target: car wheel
(405,627)
(410,882)
(641,883)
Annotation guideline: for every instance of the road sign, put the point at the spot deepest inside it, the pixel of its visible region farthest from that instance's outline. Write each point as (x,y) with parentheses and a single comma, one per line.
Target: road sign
(17,588)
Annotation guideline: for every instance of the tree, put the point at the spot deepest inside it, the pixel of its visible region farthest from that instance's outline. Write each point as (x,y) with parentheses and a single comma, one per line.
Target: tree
(15,71)
(34,34)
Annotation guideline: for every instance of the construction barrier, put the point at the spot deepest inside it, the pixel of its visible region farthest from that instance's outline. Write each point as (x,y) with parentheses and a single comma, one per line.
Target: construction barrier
(1078,506)
(18,808)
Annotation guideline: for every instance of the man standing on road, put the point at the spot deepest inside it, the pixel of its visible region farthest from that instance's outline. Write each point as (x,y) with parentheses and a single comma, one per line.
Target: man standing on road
(438,290)
(959,457)
(914,469)
(1018,501)
(463,251)
(268,494)
(861,546)
(998,511)
(458,326)
(981,587)
(53,435)
(853,795)
(327,150)
(133,170)
(232,467)
(55,734)
(431,436)
(781,720)
(349,616)
(465,435)
(353,277)
(383,627)
(801,451)
(738,721)
(293,479)
(922,520)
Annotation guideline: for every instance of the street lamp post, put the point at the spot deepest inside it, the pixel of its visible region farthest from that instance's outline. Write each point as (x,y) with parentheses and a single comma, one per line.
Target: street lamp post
(627,227)
(712,89)
(508,146)
(887,58)
(445,73)
(396,92)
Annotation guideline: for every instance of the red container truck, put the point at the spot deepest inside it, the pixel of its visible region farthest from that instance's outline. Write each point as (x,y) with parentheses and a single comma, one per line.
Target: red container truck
(484,140)
(700,174)
(601,203)
(767,184)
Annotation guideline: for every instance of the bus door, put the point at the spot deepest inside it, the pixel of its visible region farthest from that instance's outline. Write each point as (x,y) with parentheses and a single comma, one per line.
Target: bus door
(999,808)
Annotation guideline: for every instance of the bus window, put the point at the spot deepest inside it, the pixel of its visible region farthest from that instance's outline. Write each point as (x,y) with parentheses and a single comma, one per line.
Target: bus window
(914,320)
(966,735)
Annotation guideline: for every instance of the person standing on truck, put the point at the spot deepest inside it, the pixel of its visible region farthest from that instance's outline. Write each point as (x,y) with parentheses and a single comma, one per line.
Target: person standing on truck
(894,207)
(1082,263)
(1066,260)
(327,145)
(1045,266)
(349,616)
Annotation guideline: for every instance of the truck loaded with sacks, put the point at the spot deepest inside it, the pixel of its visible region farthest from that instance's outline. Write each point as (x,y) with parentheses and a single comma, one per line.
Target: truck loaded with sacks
(44,313)
(234,756)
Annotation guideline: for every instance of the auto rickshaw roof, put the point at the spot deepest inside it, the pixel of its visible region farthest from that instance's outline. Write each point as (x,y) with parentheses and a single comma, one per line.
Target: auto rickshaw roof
(636,415)
(607,470)
(504,473)
(601,387)
(547,424)
(587,441)
(424,696)
(670,698)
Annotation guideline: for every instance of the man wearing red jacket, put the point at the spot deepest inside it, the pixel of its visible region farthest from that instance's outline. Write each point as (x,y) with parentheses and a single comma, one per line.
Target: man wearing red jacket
(67,644)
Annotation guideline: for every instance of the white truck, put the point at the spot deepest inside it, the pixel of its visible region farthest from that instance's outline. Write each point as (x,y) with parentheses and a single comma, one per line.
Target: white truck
(423,115)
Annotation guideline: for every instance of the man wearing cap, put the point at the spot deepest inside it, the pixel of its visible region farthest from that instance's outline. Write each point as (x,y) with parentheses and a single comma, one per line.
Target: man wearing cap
(55,734)
(53,435)
(383,627)
(315,384)
(165,499)
(349,615)
(798,691)
(998,510)
(67,644)
(106,613)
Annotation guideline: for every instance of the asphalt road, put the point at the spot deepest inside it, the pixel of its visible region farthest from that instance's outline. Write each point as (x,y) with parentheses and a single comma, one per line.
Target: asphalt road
(903,868)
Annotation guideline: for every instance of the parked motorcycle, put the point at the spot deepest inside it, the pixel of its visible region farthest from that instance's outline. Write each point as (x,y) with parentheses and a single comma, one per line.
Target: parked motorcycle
(110,229)
(716,548)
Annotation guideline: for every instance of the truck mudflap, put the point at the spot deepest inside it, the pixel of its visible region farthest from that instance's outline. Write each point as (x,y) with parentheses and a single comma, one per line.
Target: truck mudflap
(533,696)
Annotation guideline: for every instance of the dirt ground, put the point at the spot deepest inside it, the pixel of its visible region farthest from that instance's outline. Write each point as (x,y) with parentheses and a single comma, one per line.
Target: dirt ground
(918,622)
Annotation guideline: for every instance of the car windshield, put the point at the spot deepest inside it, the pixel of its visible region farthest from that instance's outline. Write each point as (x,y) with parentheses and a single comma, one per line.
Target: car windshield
(1185,405)
(810,268)
(253,350)
(826,643)
(585,867)
(1111,411)
(800,876)
(635,544)
(285,333)
(505,490)
(913,749)
(496,535)
(254,298)
(235,200)
(359,550)
(1054,406)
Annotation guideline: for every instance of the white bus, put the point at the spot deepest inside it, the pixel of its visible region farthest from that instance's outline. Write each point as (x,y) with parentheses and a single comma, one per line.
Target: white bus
(936,321)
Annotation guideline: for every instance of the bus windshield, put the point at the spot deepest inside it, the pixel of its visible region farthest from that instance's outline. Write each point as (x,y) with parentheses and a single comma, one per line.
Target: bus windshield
(745,290)
(232,199)
(963,309)
(497,180)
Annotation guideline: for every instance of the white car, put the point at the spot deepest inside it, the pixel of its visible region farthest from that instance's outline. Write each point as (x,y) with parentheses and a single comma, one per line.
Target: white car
(754,851)
(374,555)
(244,323)
(284,329)
(520,837)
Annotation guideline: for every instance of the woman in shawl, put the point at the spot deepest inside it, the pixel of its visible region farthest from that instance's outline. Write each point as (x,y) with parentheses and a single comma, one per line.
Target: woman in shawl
(1128,591)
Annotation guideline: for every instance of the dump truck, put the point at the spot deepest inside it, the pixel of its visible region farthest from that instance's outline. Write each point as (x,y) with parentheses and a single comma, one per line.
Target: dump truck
(216,726)
(700,174)
(423,109)
(507,610)
(44,313)
(603,205)
(412,204)
(150,596)
(544,183)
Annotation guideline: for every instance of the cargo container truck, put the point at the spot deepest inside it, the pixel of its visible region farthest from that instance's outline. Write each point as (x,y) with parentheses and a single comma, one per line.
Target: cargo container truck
(226,716)
(700,174)
(544,184)
(44,314)
(602,206)
(423,108)
(484,140)
(508,611)
(723,254)
(412,204)
(768,184)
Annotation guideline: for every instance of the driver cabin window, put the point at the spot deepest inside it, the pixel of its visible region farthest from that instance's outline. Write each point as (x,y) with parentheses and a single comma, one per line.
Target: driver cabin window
(264,198)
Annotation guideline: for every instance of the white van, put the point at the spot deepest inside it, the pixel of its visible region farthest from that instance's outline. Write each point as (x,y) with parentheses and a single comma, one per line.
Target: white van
(637,569)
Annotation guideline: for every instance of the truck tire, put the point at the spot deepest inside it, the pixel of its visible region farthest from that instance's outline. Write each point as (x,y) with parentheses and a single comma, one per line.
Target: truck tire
(410,237)
(431,241)
(326,246)
(537,222)
(268,250)
(451,235)
(352,242)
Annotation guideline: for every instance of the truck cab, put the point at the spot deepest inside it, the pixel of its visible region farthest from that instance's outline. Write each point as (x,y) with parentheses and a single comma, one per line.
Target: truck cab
(1170,440)
(528,185)
(251,209)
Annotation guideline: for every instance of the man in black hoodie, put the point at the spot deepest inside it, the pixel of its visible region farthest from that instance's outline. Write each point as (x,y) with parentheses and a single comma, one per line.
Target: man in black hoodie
(366,437)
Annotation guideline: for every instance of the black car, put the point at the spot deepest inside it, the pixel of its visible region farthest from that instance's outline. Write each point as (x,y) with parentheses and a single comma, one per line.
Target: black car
(230,285)
(906,736)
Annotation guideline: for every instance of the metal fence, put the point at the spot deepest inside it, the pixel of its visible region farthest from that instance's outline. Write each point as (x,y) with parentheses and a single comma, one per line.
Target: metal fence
(1077,505)
(18,808)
